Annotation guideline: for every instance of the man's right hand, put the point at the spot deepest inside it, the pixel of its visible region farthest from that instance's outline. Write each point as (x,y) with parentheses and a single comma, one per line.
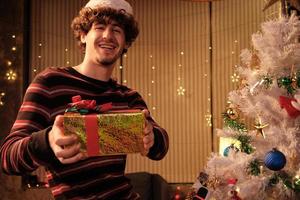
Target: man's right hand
(65,148)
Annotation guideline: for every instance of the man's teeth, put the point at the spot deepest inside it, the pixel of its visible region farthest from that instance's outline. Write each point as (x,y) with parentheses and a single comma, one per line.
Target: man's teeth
(107,46)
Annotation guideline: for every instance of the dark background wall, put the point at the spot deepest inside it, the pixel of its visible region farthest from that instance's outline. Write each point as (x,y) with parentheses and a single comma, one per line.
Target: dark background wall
(14,29)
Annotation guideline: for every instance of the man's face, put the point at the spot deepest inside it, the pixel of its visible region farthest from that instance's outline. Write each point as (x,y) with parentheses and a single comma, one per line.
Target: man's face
(104,43)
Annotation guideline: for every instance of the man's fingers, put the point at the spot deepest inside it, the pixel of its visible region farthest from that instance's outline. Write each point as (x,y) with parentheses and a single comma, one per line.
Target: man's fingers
(147,139)
(66,140)
(148,129)
(146,113)
(69,151)
(59,121)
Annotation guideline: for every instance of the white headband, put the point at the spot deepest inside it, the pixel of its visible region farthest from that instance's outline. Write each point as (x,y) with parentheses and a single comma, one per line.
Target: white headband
(115,4)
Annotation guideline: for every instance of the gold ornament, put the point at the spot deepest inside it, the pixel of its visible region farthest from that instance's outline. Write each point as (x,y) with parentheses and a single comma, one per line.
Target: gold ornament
(260,126)
(232,113)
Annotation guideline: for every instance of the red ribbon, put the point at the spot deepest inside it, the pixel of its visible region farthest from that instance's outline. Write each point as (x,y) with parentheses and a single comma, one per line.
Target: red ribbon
(92,137)
(78,103)
(286,103)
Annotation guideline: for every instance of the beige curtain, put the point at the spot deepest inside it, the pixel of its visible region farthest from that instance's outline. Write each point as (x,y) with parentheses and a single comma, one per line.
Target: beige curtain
(181,48)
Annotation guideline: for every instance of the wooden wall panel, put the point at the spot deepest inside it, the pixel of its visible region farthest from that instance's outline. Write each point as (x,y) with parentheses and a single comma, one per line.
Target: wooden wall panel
(173,43)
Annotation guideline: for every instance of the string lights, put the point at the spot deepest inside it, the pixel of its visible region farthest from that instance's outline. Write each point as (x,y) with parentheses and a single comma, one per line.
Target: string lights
(2,94)
(153,82)
(11,75)
(180,90)
(208,118)
(235,78)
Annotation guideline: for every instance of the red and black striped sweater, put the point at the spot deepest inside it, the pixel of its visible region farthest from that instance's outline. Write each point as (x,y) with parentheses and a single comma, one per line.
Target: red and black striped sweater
(27,146)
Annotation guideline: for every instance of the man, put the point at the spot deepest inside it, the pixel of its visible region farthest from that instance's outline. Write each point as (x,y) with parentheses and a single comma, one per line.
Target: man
(104,29)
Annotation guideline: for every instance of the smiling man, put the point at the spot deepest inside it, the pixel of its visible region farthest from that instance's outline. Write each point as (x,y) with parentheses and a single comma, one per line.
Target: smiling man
(105,29)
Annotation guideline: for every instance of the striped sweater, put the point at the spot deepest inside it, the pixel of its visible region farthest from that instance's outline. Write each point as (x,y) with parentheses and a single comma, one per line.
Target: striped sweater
(27,146)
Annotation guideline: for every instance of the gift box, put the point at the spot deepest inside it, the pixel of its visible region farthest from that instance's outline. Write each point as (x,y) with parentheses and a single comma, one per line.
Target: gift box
(107,133)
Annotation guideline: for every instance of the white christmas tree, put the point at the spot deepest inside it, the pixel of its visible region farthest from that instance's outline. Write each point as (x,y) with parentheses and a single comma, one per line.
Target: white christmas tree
(264,158)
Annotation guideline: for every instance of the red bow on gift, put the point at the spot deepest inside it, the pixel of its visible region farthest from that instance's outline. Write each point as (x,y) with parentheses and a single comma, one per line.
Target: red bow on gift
(286,103)
(84,106)
(79,103)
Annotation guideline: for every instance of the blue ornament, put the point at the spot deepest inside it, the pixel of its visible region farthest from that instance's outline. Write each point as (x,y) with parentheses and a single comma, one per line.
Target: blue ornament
(227,149)
(275,160)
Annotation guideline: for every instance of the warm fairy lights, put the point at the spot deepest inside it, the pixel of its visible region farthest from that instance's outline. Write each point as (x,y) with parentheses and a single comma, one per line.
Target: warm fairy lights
(2,94)
(11,75)
(208,118)
(235,78)
(181,91)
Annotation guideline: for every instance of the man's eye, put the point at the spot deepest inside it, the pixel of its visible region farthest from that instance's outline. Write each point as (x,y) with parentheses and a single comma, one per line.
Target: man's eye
(117,30)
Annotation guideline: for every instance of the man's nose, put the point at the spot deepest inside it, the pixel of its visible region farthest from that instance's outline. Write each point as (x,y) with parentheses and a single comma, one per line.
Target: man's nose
(107,33)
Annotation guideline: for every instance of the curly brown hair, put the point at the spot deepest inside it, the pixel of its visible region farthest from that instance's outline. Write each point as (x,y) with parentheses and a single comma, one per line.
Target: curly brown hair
(87,16)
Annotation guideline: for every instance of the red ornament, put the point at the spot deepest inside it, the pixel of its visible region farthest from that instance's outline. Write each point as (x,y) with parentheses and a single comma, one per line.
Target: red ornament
(232,181)
(286,103)
(234,195)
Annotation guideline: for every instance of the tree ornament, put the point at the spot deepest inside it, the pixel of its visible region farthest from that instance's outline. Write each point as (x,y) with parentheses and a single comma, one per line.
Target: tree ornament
(233,193)
(286,103)
(294,81)
(275,160)
(227,149)
(232,113)
(263,83)
(260,126)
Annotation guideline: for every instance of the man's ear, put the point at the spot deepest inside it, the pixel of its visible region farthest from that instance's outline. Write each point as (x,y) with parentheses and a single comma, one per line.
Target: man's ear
(82,38)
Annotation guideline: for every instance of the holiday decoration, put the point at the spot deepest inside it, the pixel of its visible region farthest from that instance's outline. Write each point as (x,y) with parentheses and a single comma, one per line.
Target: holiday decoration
(232,113)
(233,194)
(286,103)
(106,133)
(275,160)
(227,149)
(260,126)
(268,104)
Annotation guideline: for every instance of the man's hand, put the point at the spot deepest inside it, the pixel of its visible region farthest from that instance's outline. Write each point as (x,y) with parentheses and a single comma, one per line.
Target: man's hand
(65,148)
(148,133)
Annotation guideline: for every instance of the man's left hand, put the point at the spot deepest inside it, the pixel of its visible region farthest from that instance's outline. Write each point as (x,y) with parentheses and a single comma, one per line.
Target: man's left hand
(148,139)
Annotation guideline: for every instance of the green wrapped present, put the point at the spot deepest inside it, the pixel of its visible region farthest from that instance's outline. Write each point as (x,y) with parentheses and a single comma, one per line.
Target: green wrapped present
(109,133)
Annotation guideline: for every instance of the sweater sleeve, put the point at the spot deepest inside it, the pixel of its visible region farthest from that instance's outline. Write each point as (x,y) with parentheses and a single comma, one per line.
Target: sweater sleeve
(161,138)
(27,146)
